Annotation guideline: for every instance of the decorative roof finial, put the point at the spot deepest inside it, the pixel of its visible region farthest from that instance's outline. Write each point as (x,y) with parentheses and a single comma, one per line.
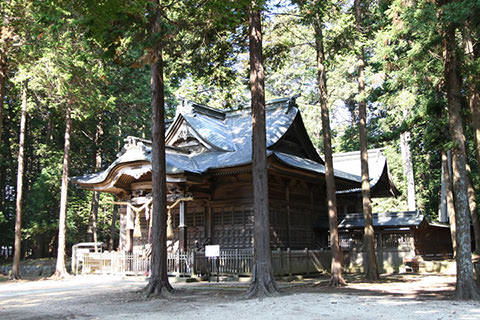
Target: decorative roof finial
(292,102)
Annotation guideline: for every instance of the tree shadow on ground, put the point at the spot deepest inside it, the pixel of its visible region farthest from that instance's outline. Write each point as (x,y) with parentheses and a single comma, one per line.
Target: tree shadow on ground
(411,286)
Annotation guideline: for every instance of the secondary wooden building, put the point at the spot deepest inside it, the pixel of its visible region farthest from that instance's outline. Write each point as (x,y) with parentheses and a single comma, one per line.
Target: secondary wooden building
(399,236)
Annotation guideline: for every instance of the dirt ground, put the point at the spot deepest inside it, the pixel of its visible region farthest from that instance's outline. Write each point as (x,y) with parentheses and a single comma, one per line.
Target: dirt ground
(104,297)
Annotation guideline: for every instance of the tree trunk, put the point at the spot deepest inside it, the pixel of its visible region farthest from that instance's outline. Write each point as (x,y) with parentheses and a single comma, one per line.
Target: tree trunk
(158,283)
(3,81)
(466,287)
(60,269)
(442,206)
(450,205)
(18,217)
(473,93)
(113,229)
(96,195)
(371,269)
(263,282)
(336,265)
(408,169)
(472,202)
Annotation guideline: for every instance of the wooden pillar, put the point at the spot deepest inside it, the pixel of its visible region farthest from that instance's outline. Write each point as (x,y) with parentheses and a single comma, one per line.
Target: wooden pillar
(129,226)
(208,222)
(313,215)
(130,240)
(287,198)
(379,248)
(122,237)
(182,228)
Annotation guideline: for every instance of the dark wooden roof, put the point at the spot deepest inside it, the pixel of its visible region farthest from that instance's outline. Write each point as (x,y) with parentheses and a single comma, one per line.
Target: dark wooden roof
(386,219)
(381,183)
(201,140)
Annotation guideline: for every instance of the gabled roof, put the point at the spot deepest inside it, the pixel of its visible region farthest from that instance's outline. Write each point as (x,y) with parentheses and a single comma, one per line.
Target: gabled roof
(381,183)
(201,139)
(387,219)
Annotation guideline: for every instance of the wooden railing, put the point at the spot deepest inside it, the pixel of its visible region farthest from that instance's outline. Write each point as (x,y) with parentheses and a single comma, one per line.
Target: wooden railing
(236,262)
(113,263)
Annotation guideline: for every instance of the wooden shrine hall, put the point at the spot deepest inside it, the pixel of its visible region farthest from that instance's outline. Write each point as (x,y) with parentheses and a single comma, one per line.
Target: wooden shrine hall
(209,181)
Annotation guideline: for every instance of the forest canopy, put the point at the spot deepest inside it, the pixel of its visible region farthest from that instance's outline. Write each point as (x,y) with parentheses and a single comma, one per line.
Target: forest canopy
(62,56)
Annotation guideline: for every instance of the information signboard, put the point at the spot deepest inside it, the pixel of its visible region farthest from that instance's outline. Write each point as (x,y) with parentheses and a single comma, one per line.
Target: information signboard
(212,251)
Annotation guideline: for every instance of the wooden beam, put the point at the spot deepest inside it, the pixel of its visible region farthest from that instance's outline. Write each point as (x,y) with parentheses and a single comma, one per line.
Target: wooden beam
(144,185)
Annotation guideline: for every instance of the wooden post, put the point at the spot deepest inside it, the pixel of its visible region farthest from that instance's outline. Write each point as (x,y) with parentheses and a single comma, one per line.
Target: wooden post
(182,228)
(279,261)
(307,263)
(237,263)
(287,198)
(209,221)
(192,265)
(129,240)
(289,263)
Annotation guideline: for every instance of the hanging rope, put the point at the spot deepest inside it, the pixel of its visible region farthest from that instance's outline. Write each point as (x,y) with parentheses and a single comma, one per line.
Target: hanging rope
(137,233)
(169,216)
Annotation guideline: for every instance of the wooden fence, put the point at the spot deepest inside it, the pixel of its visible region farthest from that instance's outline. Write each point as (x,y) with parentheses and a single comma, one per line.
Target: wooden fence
(237,262)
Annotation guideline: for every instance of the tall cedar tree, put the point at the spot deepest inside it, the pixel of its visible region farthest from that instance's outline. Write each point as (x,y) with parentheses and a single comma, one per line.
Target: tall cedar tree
(473,95)
(96,195)
(60,269)
(466,288)
(158,283)
(472,203)
(181,23)
(6,39)
(447,180)
(263,283)
(371,269)
(18,216)
(336,266)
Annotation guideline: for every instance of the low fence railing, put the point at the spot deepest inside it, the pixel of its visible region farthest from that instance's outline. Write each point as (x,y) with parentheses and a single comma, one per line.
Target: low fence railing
(230,262)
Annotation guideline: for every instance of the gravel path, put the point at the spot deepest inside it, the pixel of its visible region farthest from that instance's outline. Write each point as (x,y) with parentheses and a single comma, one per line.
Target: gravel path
(95,297)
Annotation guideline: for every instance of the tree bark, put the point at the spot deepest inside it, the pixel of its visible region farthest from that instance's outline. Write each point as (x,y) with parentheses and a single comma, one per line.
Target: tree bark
(158,284)
(96,195)
(371,269)
(466,287)
(408,169)
(472,202)
(442,207)
(113,229)
(18,217)
(262,283)
(3,80)
(60,269)
(336,264)
(473,94)
(450,205)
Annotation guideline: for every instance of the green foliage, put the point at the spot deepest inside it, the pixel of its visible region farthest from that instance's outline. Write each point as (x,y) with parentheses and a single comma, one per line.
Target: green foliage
(94,56)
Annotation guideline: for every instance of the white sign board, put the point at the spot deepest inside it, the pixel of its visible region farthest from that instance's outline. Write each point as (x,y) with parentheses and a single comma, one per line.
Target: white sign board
(212,251)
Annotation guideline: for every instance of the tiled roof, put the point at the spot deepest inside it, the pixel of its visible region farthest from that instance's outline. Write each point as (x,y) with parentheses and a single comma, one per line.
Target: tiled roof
(227,139)
(387,219)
